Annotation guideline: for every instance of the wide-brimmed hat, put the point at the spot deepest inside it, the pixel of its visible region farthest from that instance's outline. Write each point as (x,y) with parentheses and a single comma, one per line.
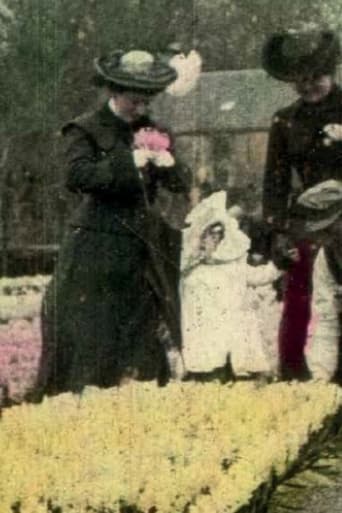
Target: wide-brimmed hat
(135,70)
(289,54)
(321,205)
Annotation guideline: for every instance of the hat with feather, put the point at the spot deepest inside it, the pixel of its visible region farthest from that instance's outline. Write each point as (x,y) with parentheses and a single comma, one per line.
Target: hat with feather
(135,70)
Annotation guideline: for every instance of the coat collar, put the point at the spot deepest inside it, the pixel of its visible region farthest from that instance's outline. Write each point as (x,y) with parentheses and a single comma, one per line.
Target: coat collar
(106,128)
(109,128)
(114,126)
(107,118)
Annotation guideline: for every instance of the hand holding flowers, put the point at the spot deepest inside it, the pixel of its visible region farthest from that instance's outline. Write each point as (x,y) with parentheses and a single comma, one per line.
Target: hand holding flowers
(333,133)
(153,146)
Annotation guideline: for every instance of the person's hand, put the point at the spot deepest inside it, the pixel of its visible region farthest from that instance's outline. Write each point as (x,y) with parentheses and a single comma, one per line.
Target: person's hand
(256,259)
(284,253)
(141,157)
(162,158)
(293,254)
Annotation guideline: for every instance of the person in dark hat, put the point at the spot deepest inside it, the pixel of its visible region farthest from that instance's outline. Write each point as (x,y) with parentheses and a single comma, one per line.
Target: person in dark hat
(113,299)
(322,209)
(305,147)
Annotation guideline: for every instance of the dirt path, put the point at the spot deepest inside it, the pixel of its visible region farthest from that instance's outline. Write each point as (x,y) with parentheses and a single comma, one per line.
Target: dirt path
(325,500)
(315,497)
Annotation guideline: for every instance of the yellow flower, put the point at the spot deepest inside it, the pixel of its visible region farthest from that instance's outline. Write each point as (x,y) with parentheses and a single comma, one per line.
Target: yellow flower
(207,446)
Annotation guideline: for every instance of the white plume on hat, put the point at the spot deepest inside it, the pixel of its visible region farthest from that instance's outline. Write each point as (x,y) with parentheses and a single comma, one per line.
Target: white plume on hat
(137,61)
(188,69)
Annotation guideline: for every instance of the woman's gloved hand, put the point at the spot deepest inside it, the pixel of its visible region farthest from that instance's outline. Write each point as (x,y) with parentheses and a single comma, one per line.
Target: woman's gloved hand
(163,159)
(141,157)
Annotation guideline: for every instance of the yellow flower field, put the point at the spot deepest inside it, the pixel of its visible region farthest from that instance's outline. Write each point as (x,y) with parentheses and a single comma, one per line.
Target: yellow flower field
(200,448)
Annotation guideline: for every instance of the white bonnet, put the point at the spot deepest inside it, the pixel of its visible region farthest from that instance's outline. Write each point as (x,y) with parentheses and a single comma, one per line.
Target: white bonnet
(212,210)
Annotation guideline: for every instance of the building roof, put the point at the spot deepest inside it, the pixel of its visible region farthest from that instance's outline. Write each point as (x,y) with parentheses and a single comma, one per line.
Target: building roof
(225,101)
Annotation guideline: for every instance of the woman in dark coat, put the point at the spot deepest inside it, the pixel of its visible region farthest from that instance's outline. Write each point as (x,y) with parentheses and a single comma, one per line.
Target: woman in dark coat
(302,149)
(114,293)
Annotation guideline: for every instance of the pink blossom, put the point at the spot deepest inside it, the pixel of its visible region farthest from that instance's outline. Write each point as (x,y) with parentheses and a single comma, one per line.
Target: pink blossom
(152,139)
(20,350)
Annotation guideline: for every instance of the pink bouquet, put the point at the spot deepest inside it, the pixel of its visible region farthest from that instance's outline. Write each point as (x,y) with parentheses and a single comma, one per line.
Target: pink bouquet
(150,145)
(152,139)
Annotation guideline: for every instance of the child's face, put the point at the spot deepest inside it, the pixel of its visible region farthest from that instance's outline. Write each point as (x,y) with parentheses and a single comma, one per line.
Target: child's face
(211,238)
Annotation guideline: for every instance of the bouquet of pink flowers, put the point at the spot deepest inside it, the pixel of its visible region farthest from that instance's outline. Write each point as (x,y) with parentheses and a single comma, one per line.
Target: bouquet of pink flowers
(152,139)
(151,145)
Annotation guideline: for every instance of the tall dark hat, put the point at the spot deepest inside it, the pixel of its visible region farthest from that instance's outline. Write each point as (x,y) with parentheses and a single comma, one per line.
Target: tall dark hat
(135,70)
(287,55)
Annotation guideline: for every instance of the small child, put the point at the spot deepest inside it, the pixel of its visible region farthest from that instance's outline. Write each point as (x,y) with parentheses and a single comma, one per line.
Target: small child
(219,325)
(322,206)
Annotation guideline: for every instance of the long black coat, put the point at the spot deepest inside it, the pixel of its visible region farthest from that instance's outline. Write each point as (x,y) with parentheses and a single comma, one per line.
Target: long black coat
(299,152)
(117,274)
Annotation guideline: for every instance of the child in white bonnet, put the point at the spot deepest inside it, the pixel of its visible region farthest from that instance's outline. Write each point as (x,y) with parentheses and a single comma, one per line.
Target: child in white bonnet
(218,322)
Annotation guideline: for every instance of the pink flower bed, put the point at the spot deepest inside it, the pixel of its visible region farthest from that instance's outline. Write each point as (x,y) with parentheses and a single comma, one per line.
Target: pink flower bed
(20,348)
(20,338)
(20,335)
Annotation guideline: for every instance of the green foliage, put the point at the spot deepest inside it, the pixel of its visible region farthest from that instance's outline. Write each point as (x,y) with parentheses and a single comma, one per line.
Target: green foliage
(231,33)
(53,45)
(50,45)
(32,70)
(6,19)
(149,24)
